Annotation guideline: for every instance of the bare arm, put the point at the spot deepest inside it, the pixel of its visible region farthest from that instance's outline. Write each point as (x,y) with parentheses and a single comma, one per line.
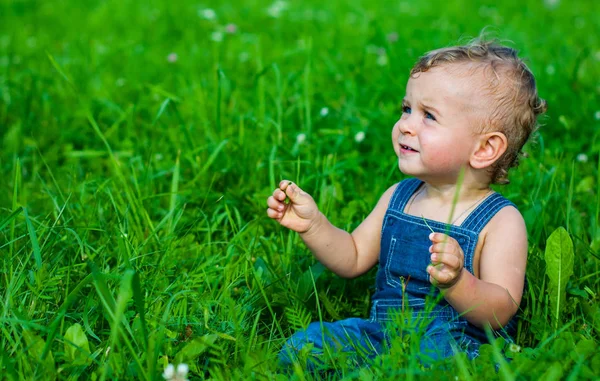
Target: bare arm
(348,255)
(495,297)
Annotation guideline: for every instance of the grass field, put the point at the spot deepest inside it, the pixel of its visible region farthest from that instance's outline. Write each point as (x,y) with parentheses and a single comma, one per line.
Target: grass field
(140,140)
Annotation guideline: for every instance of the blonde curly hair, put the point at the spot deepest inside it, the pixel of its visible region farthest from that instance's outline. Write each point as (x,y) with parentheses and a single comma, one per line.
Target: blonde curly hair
(515,102)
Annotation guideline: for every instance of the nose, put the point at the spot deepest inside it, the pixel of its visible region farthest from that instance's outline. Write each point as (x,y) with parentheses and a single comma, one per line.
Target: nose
(406,125)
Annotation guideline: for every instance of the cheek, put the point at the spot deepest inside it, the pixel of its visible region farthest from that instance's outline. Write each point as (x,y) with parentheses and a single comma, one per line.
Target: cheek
(395,134)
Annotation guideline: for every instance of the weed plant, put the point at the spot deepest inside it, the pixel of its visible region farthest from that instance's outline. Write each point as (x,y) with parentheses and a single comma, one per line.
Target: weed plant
(140,140)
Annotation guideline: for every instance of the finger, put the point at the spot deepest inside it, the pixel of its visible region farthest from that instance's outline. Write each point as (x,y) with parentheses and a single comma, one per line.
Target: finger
(438,276)
(294,192)
(444,247)
(274,214)
(440,237)
(449,260)
(283,184)
(279,194)
(274,204)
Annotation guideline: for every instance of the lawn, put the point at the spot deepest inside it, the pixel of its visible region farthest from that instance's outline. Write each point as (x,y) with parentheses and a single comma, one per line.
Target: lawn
(140,140)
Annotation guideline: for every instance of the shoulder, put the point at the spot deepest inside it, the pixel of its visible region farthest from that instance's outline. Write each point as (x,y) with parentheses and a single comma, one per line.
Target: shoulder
(508,223)
(505,239)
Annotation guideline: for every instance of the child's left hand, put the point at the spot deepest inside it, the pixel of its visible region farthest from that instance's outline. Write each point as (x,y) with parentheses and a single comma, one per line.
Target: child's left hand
(447,261)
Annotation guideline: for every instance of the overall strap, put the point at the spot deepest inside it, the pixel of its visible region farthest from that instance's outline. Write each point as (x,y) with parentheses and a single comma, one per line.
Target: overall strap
(403,193)
(484,212)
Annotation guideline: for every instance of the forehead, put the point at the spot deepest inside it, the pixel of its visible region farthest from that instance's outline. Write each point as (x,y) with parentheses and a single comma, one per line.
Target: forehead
(452,85)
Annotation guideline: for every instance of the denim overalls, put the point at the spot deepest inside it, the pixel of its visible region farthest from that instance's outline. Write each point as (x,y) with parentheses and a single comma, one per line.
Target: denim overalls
(403,285)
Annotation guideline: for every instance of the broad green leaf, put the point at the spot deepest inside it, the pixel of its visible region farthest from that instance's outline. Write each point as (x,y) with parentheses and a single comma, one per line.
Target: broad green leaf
(35,348)
(559,268)
(77,347)
(195,348)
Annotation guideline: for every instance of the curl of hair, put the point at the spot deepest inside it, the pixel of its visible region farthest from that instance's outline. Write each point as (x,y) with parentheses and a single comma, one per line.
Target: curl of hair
(515,103)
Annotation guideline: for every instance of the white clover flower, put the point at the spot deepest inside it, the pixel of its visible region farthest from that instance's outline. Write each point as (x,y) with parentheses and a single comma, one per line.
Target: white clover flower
(324,112)
(582,158)
(514,348)
(551,4)
(550,70)
(231,28)
(597,115)
(172,57)
(392,37)
(169,372)
(277,8)
(301,138)
(207,14)
(359,137)
(216,36)
(120,82)
(382,60)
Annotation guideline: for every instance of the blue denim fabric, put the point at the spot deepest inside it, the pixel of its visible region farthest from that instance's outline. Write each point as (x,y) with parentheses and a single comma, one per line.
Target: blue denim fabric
(403,285)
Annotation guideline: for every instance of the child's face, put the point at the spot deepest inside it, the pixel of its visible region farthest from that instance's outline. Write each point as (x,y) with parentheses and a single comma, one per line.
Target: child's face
(442,113)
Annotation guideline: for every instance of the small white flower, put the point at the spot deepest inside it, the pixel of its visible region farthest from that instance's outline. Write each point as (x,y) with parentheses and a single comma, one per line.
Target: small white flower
(582,158)
(123,235)
(550,70)
(182,371)
(301,138)
(217,36)
(324,112)
(597,115)
(551,4)
(231,28)
(172,57)
(359,137)
(158,157)
(277,8)
(392,37)
(120,82)
(382,60)
(169,372)
(514,348)
(207,14)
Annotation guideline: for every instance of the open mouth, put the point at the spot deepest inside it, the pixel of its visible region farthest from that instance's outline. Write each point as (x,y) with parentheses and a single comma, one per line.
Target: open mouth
(407,148)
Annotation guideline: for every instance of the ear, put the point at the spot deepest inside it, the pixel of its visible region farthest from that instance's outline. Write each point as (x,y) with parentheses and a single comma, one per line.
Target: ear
(489,149)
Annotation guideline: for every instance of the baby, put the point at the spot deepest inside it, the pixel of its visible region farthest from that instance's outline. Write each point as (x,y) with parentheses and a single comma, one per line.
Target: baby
(450,250)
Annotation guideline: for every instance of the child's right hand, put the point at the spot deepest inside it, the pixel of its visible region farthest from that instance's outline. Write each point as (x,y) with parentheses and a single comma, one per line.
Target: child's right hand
(300,214)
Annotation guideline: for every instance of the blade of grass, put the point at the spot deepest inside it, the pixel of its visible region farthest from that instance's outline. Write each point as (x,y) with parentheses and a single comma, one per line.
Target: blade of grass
(34,240)
(174,190)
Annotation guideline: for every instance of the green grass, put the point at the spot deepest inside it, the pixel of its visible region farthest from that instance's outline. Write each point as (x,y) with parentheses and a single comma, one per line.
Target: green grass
(133,230)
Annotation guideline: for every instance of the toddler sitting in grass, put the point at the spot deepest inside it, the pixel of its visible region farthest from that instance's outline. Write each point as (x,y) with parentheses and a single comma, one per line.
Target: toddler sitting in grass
(451,251)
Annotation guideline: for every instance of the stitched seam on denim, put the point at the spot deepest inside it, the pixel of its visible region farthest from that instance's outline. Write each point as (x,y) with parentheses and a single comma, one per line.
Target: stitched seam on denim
(400,193)
(491,213)
(388,275)
(488,209)
(405,190)
(484,212)
(475,216)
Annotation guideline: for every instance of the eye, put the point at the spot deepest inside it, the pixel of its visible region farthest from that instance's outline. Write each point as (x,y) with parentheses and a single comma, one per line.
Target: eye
(406,109)
(429,116)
